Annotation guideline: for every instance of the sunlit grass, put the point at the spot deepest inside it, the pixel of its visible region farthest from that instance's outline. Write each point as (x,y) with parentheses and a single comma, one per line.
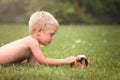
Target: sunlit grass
(100,43)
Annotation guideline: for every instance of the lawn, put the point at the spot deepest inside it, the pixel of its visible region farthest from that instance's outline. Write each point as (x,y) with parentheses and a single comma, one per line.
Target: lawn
(101,43)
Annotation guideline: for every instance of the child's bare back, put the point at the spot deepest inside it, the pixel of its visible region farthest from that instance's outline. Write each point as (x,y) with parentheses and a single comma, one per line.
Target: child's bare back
(16,51)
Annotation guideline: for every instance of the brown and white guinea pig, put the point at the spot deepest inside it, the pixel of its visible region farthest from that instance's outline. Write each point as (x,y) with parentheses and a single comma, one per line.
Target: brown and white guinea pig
(81,61)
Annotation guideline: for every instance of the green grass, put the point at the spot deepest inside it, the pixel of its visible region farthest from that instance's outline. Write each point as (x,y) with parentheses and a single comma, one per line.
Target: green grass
(100,43)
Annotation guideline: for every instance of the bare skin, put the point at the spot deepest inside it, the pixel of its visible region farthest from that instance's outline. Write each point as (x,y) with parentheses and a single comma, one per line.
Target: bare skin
(29,48)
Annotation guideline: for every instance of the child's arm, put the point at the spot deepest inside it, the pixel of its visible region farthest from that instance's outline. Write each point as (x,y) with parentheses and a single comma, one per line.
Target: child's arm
(51,61)
(32,61)
(37,53)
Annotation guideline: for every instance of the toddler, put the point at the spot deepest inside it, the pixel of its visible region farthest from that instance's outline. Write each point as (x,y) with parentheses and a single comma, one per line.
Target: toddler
(42,27)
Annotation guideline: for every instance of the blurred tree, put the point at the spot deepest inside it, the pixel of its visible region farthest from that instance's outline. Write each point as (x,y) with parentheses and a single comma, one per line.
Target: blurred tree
(66,11)
(80,11)
(12,11)
(105,11)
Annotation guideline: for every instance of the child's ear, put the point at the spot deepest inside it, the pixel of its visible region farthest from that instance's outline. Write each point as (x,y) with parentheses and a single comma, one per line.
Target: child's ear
(39,30)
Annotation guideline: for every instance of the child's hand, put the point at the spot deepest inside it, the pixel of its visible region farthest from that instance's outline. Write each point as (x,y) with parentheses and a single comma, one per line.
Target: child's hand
(70,59)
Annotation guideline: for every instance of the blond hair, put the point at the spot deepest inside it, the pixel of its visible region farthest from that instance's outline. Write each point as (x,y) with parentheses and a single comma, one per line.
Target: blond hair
(41,19)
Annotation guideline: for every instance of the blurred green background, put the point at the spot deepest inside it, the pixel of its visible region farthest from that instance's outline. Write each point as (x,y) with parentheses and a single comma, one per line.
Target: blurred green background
(65,11)
(99,39)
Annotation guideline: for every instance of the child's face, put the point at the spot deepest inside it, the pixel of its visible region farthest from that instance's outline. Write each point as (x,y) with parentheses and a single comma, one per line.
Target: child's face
(46,36)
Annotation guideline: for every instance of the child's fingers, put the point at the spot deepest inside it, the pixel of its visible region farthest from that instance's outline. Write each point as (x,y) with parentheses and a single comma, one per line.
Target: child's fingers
(70,59)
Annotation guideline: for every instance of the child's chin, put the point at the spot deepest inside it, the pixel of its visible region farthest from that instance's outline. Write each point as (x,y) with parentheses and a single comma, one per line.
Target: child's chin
(45,44)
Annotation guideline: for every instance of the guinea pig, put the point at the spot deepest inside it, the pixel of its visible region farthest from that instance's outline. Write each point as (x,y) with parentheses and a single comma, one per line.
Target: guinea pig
(81,61)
